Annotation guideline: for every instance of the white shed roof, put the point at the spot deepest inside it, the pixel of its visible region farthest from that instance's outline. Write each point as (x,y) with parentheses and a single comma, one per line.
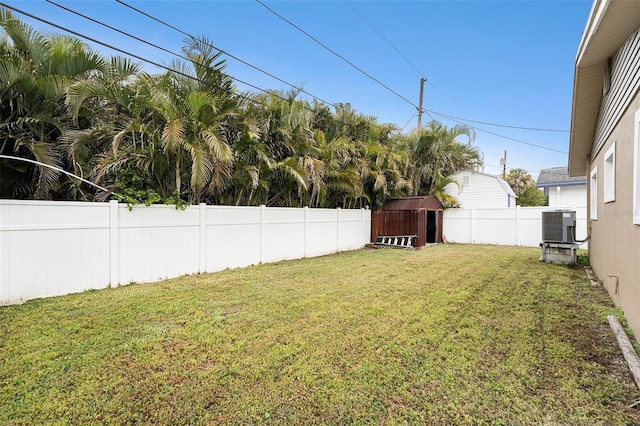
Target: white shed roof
(501,181)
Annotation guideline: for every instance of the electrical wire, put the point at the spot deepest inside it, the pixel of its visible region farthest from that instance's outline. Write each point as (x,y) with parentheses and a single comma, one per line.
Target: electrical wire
(408,121)
(451,117)
(501,136)
(336,54)
(223,52)
(140,58)
(147,43)
(133,55)
(421,74)
(395,93)
(428,112)
(183,56)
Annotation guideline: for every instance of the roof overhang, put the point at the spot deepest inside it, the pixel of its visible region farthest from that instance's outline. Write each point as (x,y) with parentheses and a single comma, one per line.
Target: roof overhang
(610,24)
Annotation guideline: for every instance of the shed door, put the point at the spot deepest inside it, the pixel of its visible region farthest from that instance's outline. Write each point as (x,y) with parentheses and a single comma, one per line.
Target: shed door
(432,226)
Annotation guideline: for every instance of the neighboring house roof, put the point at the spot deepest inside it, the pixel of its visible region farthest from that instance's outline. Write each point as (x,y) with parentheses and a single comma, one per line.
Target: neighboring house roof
(558,176)
(413,203)
(502,182)
(610,24)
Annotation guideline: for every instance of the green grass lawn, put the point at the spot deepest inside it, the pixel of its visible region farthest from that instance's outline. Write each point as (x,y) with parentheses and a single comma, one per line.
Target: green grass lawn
(454,334)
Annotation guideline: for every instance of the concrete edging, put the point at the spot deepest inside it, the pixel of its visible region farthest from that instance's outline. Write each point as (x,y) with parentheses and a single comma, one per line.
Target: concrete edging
(630,355)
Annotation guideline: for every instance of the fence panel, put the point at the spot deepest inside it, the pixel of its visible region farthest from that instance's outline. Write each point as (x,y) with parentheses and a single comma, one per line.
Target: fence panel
(520,226)
(350,236)
(321,231)
(158,242)
(56,248)
(283,233)
(232,237)
(457,225)
(51,249)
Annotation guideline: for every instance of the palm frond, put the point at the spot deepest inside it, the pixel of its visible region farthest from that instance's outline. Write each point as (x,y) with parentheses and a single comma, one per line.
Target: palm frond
(173,135)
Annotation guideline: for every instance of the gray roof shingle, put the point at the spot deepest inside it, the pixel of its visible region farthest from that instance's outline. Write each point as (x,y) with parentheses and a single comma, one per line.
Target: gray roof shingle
(558,176)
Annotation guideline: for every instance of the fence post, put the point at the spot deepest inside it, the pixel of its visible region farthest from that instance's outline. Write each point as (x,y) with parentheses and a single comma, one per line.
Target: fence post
(202,267)
(518,224)
(362,230)
(338,230)
(471,219)
(263,232)
(305,211)
(114,249)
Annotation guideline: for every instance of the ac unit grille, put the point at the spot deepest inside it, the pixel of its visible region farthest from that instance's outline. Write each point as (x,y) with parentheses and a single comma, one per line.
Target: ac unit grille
(558,226)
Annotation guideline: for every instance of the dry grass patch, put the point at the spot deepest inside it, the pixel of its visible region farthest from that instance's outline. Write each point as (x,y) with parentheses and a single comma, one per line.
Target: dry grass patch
(446,335)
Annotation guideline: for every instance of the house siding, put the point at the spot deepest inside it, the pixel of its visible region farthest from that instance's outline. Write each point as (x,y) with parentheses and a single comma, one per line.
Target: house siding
(482,191)
(567,196)
(615,240)
(625,79)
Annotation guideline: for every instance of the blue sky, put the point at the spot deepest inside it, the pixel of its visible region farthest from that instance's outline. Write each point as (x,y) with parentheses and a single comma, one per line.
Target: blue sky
(505,62)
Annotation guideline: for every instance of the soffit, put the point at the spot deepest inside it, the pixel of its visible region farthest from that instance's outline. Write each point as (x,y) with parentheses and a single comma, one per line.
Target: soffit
(610,25)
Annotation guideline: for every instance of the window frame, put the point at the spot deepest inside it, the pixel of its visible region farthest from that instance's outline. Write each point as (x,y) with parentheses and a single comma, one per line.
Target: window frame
(609,190)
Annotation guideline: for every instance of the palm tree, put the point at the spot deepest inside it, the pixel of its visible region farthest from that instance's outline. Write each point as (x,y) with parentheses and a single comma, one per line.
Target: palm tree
(436,154)
(35,71)
(276,156)
(519,180)
(162,128)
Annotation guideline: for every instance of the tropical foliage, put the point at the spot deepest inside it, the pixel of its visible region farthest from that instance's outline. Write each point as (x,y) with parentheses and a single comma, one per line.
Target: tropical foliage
(532,196)
(525,188)
(188,136)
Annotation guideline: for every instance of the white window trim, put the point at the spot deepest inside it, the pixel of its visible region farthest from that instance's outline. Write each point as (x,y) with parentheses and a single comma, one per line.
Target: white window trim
(636,168)
(593,193)
(609,194)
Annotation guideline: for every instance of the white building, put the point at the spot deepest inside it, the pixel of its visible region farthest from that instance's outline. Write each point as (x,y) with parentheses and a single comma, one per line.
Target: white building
(481,190)
(562,190)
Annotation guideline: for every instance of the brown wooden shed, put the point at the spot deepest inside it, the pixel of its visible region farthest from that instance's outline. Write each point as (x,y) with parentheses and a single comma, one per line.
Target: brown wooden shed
(421,216)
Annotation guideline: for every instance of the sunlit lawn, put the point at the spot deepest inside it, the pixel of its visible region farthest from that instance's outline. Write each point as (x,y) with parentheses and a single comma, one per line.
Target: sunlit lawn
(451,334)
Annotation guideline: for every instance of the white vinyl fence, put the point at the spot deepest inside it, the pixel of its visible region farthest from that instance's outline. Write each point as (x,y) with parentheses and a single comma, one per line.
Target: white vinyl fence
(56,248)
(520,226)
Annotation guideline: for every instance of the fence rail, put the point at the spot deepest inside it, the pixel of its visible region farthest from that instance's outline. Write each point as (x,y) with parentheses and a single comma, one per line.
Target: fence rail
(55,248)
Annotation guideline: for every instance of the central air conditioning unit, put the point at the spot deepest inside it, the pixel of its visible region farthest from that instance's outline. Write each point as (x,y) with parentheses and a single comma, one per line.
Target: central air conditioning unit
(558,226)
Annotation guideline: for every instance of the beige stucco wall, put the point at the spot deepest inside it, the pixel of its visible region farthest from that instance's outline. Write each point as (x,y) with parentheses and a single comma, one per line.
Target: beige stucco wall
(614,248)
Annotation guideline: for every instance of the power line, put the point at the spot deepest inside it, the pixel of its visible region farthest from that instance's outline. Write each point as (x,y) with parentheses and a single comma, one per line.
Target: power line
(204,82)
(224,52)
(526,170)
(133,55)
(186,58)
(501,136)
(408,121)
(335,53)
(384,38)
(140,58)
(422,75)
(402,97)
(499,125)
(145,42)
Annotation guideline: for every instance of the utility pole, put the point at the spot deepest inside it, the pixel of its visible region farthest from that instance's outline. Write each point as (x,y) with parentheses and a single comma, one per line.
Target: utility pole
(503,163)
(422,80)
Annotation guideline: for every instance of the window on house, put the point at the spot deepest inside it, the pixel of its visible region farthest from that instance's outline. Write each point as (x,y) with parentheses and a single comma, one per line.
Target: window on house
(465,180)
(610,174)
(593,194)
(636,168)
